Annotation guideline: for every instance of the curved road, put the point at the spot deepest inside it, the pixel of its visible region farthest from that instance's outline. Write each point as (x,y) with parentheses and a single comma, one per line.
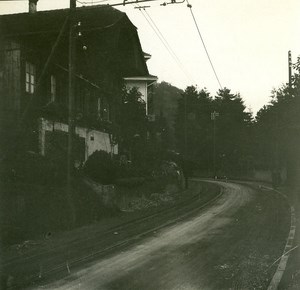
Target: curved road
(230,244)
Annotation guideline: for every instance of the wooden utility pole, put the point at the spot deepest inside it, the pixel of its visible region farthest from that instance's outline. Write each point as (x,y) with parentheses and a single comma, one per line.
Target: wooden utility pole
(291,158)
(185,127)
(185,158)
(71,119)
(290,67)
(213,117)
(71,129)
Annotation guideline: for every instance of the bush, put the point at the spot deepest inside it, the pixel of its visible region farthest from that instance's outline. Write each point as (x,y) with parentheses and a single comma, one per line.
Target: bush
(130,181)
(101,167)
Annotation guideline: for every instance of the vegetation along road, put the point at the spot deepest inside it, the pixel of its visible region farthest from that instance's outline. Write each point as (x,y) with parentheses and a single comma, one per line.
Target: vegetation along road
(232,242)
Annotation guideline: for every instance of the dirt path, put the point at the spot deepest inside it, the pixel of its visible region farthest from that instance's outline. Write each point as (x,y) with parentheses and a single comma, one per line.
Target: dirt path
(38,261)
(231,244)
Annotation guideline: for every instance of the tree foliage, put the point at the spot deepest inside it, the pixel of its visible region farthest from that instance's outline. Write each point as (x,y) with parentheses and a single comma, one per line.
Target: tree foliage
(131,121)
(277,128)
(165,102)
(141,140)
(196,132)
(193,126)
(233,133)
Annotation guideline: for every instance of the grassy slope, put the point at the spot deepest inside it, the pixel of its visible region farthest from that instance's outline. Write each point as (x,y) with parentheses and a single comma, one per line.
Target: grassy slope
(30,211)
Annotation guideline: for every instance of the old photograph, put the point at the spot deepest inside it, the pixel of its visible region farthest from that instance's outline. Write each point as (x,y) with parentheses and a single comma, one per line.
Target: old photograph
(150,144)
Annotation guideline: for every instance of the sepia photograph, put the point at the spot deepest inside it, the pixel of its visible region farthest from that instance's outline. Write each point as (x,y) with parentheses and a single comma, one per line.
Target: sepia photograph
(150,144)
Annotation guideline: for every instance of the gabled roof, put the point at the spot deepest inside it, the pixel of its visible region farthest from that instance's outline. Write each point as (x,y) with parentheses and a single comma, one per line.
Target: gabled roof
(51,21)
(150,79)
(92,19)
(147,56)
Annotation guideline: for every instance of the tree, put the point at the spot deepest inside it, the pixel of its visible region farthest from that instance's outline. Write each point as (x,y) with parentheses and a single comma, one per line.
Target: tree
(277,128)
(164,106)
(131,122)
(193,127)
(233,128)
(233,134)
(142,139)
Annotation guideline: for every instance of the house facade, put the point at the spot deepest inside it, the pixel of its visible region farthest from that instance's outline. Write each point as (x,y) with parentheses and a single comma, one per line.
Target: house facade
(34,53)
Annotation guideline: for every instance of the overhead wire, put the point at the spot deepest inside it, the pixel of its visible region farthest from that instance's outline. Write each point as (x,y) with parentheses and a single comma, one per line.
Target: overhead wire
(205,48)
(163,40)
(172,51)
(91,2)
(162,36)
(122,3)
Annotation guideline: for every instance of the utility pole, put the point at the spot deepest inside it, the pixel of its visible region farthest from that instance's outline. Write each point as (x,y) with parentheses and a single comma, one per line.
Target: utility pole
(290,67)
(290,161)
(185,169)
(71,129)
(213,117)
(185,127)
(71,119)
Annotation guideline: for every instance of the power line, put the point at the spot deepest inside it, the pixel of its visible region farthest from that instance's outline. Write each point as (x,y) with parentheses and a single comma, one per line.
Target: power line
(123,3)
(91,2)
(164,41)
(168,47)
(212,66)
(172,51)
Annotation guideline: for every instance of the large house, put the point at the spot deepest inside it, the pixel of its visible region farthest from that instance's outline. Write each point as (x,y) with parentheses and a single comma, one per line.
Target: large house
(34,50)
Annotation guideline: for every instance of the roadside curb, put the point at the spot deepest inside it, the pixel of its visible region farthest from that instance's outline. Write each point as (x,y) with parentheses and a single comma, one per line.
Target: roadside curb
(287,249)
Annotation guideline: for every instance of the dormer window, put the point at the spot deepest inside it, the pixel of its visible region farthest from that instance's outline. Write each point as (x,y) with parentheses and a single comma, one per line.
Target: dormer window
(30,77)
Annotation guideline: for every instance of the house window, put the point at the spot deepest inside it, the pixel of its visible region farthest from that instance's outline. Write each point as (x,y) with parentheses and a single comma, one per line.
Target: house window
(30,77)
(53,87)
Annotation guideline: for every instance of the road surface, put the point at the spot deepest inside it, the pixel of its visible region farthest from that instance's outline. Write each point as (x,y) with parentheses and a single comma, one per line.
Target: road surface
(230,244)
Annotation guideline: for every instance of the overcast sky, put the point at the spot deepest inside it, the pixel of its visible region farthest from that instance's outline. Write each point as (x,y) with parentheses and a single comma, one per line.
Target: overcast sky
(248,42)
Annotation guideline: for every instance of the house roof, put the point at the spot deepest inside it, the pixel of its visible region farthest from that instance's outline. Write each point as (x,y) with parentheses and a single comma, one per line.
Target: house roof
(150,79)
(141,78)
(95,17)
(147,55)
(92,19)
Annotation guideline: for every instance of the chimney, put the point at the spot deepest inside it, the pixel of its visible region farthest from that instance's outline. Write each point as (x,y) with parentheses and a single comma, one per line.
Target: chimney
(32,6)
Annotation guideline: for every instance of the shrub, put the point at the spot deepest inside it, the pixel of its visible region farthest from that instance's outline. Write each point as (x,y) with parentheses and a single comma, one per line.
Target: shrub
(101,167)
(130,181)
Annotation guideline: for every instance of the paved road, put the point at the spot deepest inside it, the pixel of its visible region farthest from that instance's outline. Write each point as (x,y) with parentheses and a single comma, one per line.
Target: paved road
(230,244)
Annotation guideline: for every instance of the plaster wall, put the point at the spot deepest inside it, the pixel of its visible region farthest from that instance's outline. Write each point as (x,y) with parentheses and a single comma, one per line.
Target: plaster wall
(94,140)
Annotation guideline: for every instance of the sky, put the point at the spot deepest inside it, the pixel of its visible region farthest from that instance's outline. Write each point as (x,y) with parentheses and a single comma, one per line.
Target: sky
(247,41)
